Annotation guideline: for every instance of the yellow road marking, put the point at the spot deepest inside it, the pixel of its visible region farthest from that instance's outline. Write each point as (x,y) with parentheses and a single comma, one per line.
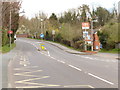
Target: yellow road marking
(23,81)
(30,87)
(89,86)
(24,62)
(28,72)
(26,68)
(37,86)
(33,71)
(17,74)
(46,85)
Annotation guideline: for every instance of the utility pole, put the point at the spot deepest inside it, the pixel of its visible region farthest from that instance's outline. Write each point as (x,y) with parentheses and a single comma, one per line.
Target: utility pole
(91,35)
(92,32)
(85,26)
(85,42)
(10,25)
(42,28)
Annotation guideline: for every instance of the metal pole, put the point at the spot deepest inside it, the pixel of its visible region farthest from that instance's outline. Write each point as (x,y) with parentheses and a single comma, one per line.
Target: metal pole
(53,38)
(85,42)
(10,40)
(42,27)
(10,24)
(91,35)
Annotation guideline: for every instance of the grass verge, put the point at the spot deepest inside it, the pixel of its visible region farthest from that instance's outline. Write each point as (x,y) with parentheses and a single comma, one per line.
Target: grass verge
(110,51)
(114,51)
(7,48)
(64,45)
(58,43)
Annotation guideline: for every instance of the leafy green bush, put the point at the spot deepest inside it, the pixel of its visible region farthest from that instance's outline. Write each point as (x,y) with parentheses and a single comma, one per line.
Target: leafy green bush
(58,37)
(5,39)
(109,35)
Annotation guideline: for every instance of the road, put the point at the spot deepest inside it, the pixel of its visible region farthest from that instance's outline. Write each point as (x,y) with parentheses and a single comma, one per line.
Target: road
(55,68)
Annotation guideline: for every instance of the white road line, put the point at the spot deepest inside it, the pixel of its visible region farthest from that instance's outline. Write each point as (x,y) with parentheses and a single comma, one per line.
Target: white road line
(101,79)
(96,59)
(48,53)
(58,60)
(62,61)
(88,57)
(25,65)
(52,57)
(75,67)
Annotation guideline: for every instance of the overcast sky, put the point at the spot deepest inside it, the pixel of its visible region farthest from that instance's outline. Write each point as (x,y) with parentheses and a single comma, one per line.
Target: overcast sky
(33,7)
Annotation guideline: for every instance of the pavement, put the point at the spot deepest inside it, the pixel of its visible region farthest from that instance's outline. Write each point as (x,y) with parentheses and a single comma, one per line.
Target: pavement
(30,67)
(0,71)
(4,62)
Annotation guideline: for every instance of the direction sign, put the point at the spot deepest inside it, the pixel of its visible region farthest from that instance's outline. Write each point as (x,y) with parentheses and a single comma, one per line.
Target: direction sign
(10,32)
(85,34)
(42,35)
(85,25)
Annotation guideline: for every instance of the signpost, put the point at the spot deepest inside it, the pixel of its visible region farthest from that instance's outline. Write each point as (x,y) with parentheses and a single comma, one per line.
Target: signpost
(42,35)
(10,32)
(85,34)
(85,26)
(42,45)
(53,33)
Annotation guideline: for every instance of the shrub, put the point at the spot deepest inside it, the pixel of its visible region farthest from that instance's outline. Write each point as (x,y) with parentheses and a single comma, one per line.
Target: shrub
(5,39)
(58,37)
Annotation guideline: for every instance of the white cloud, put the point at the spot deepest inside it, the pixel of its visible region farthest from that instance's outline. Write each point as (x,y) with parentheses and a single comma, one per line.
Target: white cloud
(32,7)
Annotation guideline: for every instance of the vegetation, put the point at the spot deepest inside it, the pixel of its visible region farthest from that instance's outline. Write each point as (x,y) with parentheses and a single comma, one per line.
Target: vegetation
(68,29)
(10,21)
(6,48)
(109,35)
(110,51)
(8,8)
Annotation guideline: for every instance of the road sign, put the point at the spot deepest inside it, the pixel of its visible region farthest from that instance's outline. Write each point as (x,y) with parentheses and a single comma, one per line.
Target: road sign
(53,32)
(10,32)
(85,25)
(42,46)
(42,35)
(85,34)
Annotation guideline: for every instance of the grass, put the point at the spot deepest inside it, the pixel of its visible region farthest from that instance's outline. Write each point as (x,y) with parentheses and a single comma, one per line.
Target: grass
(102,50)
(110,51)
(58,43)
(7,48)
(64,45)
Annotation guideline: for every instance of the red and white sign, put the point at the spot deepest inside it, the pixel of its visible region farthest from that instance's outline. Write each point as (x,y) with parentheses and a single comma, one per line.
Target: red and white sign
(10,32)
(85,25)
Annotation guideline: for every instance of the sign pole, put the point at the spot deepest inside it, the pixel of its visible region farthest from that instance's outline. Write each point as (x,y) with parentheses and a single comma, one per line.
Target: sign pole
(53,38)
(85,26)
(41,36)
(10,25)
(10,40)
(85,42)
(53,34)
(91,35)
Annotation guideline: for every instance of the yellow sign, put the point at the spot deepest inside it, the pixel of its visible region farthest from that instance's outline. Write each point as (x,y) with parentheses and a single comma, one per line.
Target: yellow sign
(42,46)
